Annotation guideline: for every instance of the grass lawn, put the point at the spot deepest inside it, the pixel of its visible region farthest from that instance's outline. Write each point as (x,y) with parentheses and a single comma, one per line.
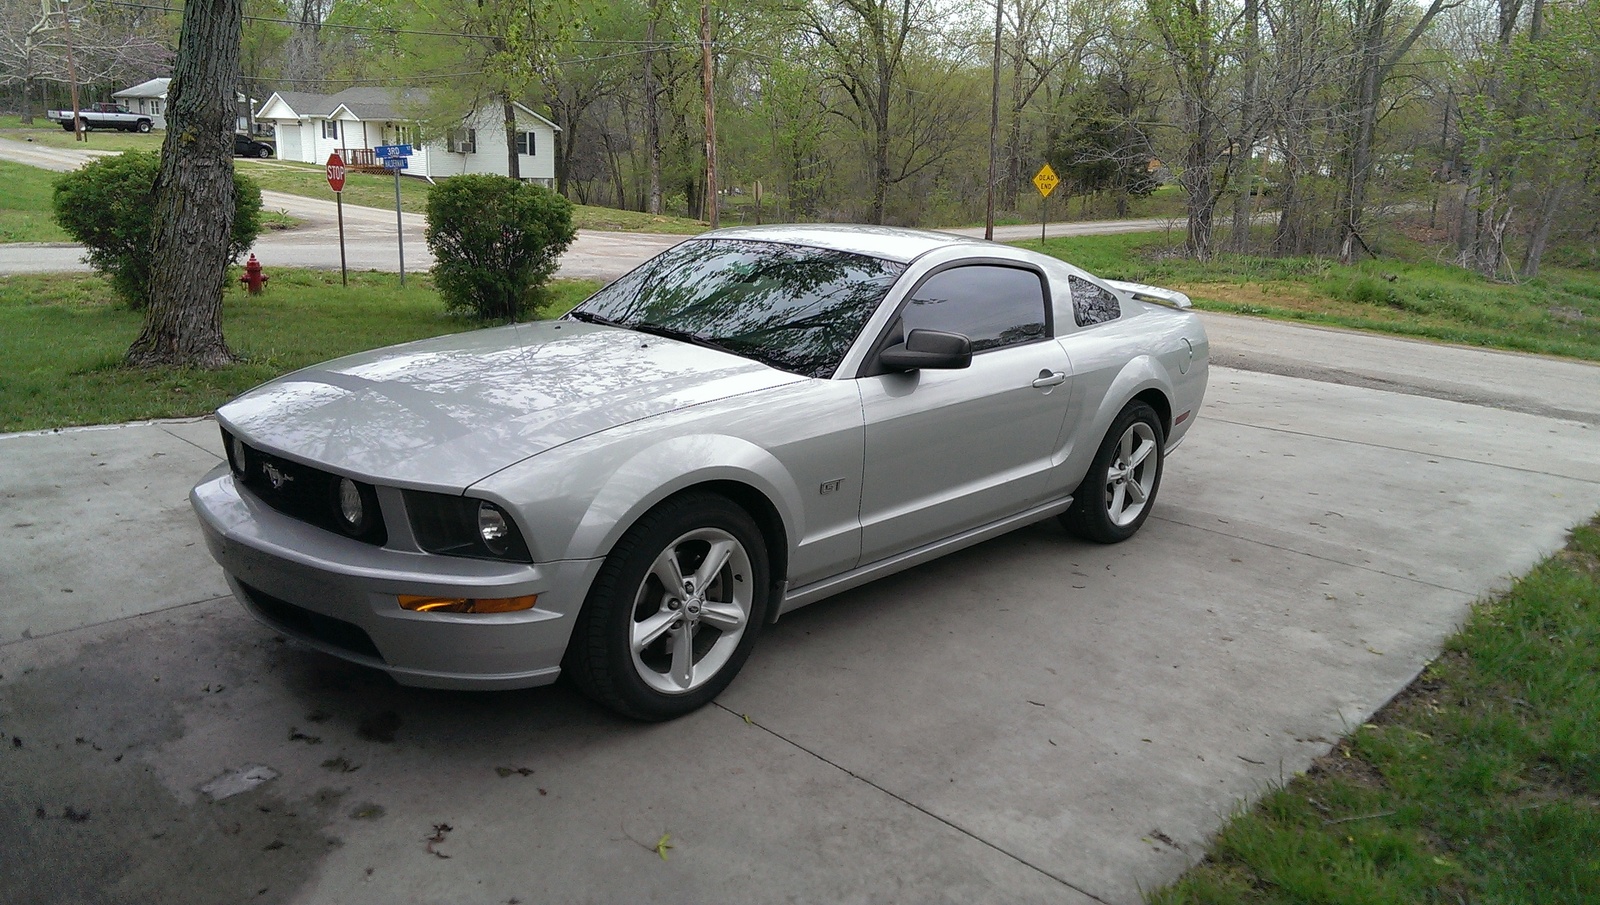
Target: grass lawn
(1479,783)
(1409,295)
(25,211)
(62,337)
(48,133)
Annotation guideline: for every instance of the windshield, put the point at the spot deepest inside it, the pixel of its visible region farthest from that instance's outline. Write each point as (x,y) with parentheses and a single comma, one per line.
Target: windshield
(793,307)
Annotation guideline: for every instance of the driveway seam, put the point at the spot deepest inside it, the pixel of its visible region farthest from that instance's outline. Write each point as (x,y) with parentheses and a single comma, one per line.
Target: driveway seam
(210,452)
(1328,559)
(913,805)
(78,628)
(1402,449)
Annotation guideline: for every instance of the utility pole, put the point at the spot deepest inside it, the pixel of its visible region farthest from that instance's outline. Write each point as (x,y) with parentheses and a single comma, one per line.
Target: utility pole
(72,77)
(994,124)
(712,204)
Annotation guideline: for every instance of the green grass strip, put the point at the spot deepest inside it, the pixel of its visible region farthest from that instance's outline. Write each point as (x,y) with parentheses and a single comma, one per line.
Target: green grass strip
(62,337)
(1479,783)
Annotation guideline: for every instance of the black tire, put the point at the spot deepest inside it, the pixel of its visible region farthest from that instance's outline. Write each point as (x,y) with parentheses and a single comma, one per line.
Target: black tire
(628,600)
(1101,510)
(66,126)
(264,153)
(144,125)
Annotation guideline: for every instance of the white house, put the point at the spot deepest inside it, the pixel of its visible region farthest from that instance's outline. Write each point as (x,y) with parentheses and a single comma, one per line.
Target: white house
(309,127)
(150,99)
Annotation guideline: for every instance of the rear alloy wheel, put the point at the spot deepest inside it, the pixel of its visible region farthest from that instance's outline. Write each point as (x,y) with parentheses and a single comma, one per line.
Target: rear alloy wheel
(675,610)
(264,153)
(144,125)
(1117,494)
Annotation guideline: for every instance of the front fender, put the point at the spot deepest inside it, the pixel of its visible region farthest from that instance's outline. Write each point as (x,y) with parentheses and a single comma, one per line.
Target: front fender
(662,469)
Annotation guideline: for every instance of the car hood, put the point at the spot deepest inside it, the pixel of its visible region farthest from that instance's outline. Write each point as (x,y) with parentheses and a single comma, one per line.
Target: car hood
(450,411)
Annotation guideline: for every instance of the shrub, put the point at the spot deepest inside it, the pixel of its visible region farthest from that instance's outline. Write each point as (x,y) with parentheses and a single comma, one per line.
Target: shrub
(109,206)
(495,242)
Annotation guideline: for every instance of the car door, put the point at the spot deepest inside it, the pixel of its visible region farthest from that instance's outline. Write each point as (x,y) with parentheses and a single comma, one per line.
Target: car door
(948,450)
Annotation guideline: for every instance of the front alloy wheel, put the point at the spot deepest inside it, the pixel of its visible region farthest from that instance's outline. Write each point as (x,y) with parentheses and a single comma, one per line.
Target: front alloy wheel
(674,611)
(691,610)
(1118,492)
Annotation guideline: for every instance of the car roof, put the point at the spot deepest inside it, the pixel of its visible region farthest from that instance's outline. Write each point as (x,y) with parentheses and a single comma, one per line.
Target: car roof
(891,243)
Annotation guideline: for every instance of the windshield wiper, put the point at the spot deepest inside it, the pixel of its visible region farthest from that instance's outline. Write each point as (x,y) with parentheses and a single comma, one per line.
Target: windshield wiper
(590,317)
(679,334)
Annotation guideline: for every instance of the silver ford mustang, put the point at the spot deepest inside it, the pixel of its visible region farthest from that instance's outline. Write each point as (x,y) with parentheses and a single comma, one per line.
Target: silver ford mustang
(747,423)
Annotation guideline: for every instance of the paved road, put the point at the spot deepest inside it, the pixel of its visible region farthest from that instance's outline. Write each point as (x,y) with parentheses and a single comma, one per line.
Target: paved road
(370,242)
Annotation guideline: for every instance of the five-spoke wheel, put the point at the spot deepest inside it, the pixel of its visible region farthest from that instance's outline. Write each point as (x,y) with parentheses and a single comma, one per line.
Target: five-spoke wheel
(1116,495)
(674,611)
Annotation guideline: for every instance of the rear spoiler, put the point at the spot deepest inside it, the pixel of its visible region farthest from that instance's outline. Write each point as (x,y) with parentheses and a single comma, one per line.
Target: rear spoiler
(1172,298)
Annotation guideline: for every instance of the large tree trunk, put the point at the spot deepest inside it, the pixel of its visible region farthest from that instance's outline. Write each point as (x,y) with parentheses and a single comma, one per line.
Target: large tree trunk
(1549,206)
(27,101)
(194,196)
(513,164)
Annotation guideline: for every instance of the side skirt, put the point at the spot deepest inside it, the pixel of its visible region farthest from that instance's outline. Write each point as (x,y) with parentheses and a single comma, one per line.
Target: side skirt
(827,587)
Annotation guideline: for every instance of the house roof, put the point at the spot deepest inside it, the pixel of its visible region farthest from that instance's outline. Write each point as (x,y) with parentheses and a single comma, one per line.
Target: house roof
(366,104)
(151,88)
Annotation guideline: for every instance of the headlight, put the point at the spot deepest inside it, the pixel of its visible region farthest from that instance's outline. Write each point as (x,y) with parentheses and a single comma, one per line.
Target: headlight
(464,526)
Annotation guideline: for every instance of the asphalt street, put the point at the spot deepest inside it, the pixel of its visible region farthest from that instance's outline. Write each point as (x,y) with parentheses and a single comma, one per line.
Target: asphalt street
(1031,720)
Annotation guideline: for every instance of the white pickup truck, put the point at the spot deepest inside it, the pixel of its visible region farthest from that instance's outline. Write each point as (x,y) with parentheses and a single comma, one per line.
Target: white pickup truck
(103,116)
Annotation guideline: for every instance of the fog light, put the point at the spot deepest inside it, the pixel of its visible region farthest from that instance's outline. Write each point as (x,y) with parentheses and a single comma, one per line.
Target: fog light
(351,509)
(493,528)
(238,460)
(423,604)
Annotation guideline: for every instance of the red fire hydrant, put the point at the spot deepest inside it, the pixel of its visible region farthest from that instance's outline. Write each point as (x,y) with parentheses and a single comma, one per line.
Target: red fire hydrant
(253,277)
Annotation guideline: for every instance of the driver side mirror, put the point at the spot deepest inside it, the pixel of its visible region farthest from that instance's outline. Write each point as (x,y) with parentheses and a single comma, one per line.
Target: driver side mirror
(933,349)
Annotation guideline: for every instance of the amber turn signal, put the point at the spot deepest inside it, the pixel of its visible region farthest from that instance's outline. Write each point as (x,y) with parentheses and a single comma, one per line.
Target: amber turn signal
(421,604)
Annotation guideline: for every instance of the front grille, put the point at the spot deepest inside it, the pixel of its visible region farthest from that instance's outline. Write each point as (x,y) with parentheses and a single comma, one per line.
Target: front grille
(301,622)
(300,491)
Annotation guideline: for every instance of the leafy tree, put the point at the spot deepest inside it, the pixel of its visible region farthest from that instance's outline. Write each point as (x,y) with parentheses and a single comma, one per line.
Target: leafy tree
(109,206)
(496,241)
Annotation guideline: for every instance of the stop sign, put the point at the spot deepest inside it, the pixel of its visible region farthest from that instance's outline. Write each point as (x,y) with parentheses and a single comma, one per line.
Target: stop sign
(336,172)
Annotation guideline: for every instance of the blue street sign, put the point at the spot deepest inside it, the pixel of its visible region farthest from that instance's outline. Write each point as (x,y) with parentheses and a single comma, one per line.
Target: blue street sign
(390,152)
(395,163)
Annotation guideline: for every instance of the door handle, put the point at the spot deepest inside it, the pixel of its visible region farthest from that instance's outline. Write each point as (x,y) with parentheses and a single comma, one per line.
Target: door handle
(1048,378)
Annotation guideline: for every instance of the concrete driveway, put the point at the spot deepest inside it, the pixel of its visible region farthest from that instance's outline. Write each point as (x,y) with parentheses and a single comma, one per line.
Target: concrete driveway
(1031,720)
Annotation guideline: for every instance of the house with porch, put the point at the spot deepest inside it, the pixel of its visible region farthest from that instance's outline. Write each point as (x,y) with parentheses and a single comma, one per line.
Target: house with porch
(353,122)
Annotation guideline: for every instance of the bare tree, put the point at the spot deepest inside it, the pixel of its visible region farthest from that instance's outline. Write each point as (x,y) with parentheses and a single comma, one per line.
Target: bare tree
(1379,41)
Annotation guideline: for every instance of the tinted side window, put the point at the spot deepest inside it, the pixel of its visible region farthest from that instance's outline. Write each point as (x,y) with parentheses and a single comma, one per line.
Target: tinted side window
(993,306)
(1092,304)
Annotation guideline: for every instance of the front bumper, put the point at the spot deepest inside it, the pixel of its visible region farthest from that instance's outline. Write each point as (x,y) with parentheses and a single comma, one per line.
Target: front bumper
(339,595)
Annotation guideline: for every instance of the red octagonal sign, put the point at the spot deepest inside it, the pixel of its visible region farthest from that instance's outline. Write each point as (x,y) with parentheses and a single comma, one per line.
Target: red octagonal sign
(336,172)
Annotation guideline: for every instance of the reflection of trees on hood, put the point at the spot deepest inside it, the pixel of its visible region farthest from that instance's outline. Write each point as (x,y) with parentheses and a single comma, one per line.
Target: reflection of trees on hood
(795,307)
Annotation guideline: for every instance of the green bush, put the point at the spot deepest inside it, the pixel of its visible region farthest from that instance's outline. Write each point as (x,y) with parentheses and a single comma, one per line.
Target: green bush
(495,242)
(109,206)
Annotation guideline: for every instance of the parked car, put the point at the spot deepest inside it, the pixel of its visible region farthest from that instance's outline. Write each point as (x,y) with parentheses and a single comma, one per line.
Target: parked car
(103,116)
(245,146)
(747,423)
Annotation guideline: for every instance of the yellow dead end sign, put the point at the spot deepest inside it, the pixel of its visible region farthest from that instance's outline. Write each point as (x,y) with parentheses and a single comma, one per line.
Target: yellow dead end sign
(1046,181)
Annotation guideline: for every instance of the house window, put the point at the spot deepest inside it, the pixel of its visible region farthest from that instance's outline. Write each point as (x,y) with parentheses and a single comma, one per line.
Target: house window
(330,128)
(525,143)
(464,141)
(402,135)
